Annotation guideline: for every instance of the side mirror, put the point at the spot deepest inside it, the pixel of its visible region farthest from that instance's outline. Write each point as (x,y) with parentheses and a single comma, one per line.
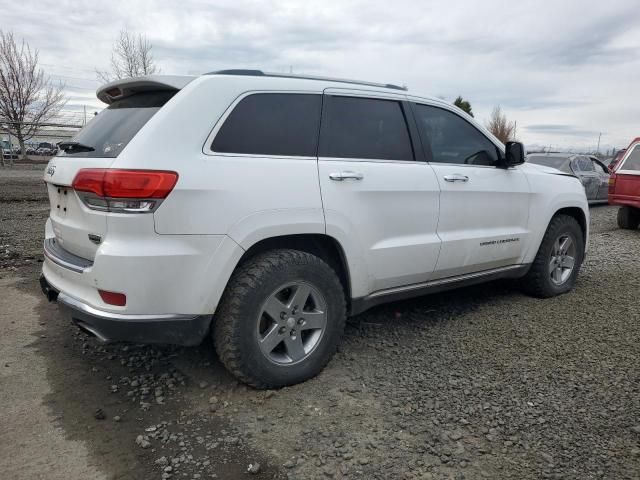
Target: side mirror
(514,154)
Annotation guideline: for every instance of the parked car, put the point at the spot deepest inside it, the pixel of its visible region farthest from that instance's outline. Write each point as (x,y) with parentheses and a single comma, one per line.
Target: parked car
(624,187)
(8,153)
(593,174)
(44,151)
(265,226)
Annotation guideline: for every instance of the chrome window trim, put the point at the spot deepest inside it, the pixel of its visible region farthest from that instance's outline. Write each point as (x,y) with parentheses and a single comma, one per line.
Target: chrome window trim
(369,160)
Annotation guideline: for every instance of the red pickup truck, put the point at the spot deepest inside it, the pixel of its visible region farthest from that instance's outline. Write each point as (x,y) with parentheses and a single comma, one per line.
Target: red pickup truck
(624,187)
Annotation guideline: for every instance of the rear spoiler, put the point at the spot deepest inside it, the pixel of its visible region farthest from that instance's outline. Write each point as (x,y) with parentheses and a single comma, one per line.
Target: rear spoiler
(128,86)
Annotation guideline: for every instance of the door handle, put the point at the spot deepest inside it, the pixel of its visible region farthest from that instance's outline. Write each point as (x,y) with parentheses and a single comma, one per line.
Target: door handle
(340,176)
(456,177)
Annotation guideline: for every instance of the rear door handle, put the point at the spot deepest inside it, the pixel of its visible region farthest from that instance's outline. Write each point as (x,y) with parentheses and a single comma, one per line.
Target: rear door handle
(456,177)
(340,176)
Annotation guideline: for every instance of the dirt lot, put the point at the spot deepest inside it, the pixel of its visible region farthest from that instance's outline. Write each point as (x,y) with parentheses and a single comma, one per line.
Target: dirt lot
(477,383)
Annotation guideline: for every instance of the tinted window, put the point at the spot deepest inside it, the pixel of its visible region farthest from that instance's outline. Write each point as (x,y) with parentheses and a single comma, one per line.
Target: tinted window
(364,128)
(547,161)
(452,139)
(113,128)
(633,160)
(272,124)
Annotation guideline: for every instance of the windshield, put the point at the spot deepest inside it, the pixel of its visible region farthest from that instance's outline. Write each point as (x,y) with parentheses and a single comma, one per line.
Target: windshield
(547,161)
(113,128)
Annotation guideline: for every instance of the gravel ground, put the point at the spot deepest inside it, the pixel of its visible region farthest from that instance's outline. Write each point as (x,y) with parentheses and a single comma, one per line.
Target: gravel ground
(482,382)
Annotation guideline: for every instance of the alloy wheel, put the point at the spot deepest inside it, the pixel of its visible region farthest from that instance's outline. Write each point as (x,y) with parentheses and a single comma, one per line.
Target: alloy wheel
(291,323)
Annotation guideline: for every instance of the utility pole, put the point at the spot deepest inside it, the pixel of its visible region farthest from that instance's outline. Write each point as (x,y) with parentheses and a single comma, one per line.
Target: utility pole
(598,149)
(84,118)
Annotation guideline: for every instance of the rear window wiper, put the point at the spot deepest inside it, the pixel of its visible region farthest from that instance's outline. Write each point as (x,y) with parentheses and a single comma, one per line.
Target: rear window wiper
(75,147)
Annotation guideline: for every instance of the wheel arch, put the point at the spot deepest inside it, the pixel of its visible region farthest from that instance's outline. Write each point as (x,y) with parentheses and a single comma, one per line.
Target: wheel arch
(578,214)
(321,245)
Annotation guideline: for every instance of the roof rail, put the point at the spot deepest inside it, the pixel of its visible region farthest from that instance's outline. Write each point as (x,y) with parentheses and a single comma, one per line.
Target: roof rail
(260,73)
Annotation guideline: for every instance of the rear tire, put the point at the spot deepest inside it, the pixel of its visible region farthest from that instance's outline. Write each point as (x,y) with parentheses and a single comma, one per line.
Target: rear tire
(280,319)
(557,263)
(628,218)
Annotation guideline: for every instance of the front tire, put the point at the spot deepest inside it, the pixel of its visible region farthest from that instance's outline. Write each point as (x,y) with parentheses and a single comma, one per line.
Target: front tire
(280,319)
(628,218)
(557,263)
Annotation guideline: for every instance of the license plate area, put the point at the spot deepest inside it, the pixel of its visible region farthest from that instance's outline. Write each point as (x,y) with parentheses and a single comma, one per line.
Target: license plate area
(60,206)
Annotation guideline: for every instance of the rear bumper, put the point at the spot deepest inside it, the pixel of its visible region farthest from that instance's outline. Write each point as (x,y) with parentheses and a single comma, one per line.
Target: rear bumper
(625,200)
(112,327)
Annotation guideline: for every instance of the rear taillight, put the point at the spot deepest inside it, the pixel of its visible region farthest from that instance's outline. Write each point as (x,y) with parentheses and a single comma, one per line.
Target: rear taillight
(123,191)
(612,183)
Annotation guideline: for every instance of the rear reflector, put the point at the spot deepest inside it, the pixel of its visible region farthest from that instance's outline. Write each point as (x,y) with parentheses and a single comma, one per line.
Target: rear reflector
(113,298)
(113,183)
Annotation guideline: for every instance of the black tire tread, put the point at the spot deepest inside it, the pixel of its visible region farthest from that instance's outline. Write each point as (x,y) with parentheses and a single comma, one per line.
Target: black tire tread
(535,282)
(245,279)
(628,218)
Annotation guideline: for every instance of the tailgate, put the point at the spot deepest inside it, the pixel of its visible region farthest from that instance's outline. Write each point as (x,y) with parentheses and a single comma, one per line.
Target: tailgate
(71,221)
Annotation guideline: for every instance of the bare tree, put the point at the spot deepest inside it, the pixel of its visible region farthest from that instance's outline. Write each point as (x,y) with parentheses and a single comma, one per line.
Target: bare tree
(502,128)
(131,57)
(27,96)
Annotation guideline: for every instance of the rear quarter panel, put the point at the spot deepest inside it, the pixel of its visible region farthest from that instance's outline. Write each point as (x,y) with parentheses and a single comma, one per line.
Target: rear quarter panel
(245,197)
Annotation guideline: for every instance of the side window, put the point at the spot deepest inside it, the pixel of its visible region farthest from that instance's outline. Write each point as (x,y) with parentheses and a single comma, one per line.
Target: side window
(598,167)
(272,124)
(586,165)
(452,139)
(633,160)
(354,127)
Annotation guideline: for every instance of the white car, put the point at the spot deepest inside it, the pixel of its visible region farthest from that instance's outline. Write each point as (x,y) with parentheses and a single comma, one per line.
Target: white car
(263,209)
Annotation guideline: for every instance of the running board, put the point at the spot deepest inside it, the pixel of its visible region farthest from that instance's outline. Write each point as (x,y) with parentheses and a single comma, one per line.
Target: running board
(359,305)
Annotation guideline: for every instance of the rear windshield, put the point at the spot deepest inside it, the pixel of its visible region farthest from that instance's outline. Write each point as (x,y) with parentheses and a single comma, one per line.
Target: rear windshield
(553,162)
(113,128)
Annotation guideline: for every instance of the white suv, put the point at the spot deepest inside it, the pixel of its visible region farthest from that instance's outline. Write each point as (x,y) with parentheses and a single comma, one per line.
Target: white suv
(265,208)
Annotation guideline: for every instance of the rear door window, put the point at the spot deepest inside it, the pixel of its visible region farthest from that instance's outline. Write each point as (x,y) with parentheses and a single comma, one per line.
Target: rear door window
(585,164)
(281,124)
(365,128)
(113,128)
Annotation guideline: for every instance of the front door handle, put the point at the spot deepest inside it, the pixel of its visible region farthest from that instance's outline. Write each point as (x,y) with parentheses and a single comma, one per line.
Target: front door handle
(456,177)
(340,176)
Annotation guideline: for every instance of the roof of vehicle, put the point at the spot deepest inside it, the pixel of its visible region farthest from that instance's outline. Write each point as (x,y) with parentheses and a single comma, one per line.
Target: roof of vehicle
(122,88)
(260,73)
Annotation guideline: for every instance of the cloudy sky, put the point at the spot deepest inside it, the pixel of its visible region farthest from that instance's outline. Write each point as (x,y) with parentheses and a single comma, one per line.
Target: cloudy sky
(564,70)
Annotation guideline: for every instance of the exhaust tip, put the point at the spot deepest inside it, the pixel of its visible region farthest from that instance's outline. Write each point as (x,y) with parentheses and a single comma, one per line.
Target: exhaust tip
(91,331)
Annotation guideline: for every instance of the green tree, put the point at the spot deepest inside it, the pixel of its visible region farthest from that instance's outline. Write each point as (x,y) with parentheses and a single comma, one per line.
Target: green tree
(463,104)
